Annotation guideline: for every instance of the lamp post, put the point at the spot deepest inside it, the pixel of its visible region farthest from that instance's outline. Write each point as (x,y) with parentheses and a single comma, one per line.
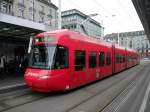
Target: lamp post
(83,22)
(89,16)
(118,36)
(59,15)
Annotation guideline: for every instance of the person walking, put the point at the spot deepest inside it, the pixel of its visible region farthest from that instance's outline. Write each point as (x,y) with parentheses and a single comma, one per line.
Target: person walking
(2,66)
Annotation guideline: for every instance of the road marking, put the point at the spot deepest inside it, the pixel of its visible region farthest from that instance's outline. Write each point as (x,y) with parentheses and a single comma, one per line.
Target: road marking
(11,86)
(143,106)
(121,99)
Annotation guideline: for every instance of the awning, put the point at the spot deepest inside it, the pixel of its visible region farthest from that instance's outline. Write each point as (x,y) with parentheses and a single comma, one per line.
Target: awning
(143,9)
(11,26)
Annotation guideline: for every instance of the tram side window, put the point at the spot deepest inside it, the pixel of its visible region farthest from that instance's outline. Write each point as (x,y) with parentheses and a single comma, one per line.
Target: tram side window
(79,60)
(128,58)
(117,58)
(108,58)
(61,57)
(121,58)
(92,59)
(101,58)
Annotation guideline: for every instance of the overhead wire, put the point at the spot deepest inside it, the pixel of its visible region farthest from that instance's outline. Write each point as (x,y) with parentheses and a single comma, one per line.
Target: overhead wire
(109,13)
(102,7)
(126,11)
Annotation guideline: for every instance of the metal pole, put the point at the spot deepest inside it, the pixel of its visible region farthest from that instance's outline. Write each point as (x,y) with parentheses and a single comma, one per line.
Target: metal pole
(59,15)
(30,44)
(89,17)
(118,38)
(126,41)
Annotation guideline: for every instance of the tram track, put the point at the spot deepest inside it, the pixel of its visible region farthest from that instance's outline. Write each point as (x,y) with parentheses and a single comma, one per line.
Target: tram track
(131,83)
(12,102)
(30,97)
(119,100)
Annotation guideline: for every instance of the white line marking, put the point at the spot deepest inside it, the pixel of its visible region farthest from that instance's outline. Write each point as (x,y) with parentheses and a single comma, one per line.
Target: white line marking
(15,85)
(121,99)
(144,102)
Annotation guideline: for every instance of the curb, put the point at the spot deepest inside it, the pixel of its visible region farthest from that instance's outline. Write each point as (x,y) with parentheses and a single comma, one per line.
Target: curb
(12,88)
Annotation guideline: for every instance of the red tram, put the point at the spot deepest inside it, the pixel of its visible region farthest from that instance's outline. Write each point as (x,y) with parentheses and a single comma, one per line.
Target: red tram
(62,60)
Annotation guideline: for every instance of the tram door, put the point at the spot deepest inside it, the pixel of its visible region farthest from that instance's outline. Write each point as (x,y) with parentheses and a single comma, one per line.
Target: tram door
(79,75)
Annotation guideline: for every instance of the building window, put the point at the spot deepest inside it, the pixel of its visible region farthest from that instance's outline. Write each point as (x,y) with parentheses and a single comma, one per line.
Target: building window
(101,59)
(130,44)
(49,20)
(31,2)
(4,7)
(21,1)
(41,14)
(41,8)
(50,12)
(79,60)
(20,12)
(31,15)
(92,59)
(49,17)
(41,19)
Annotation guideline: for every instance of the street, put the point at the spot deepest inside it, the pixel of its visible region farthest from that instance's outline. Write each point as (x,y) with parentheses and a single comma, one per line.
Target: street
(123,92)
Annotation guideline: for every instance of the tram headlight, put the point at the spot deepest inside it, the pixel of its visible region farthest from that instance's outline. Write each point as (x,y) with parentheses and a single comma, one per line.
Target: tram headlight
(44,77)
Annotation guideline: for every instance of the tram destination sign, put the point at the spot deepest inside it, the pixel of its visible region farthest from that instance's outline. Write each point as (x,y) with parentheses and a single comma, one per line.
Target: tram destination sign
(44,39)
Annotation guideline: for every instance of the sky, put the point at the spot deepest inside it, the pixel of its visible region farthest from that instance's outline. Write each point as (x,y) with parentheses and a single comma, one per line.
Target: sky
(114,15)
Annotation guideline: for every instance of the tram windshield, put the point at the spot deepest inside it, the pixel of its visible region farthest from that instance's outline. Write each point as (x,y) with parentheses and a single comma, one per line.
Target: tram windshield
(48,56)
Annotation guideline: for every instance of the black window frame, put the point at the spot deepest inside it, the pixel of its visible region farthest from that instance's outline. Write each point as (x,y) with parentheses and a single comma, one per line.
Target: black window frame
(92,59)
(101,58)
(57,61)
(117,59)
(65,64)
(108,58)
(80,64)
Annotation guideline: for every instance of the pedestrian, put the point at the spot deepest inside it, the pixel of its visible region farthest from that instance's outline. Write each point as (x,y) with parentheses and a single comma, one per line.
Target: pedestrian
(2,66)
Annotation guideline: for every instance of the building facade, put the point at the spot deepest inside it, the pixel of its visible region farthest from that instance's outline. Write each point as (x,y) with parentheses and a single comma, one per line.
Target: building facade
(19,21)
(78,21)
(136,40)
(40,11)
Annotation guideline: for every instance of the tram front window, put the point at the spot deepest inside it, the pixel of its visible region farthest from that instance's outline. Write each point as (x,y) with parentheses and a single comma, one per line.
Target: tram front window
(49,56)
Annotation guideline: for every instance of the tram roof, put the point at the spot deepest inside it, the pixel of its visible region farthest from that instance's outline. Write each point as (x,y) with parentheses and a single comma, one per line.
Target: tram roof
(75,36)
(81,37)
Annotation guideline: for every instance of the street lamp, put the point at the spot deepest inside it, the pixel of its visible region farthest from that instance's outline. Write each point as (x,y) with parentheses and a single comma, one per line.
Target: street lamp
(59,15)
(82,23)
(118,36)
(89,16)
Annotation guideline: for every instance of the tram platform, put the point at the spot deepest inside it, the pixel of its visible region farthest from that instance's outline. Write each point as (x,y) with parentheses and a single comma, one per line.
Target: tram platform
(8,84)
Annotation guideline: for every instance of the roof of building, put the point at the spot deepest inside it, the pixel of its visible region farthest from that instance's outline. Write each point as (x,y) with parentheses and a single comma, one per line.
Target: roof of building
(77,12)
(49,3)
(124,34)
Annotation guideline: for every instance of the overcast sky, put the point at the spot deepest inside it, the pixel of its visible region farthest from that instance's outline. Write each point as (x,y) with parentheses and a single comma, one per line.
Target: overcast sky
(115,15)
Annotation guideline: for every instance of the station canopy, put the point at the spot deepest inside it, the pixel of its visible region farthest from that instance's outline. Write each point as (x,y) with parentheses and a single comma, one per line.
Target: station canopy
(143,9)
(11,26)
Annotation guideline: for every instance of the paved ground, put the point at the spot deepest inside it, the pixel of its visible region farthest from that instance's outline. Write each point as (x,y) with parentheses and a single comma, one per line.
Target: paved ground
(8,81)
(123,92)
